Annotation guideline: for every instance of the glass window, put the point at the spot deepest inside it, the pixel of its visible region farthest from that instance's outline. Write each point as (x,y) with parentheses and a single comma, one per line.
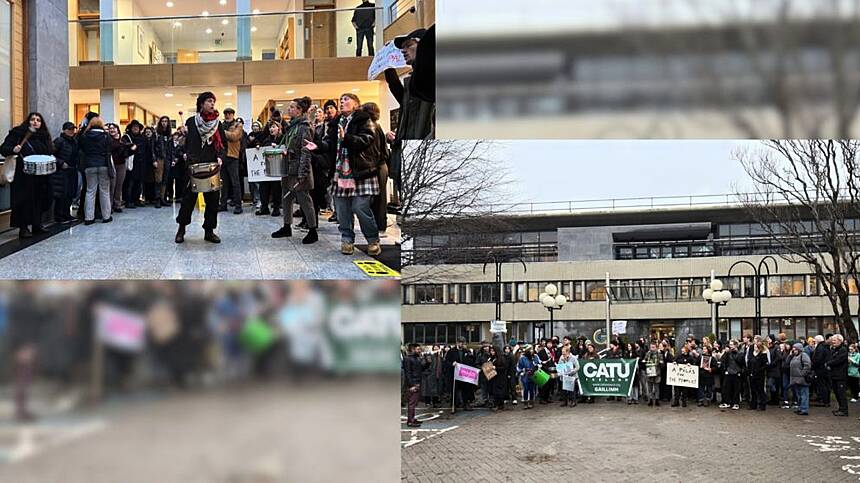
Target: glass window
(723,329)
(749,286)
(462,290)
(813,326)
(670,289)
(682,251)
(565,289)
(647,287)
(684,289)
(418,336)
(787,327)
(484,293)
(829,326)
(733,285)
(6,89)
(747,327)
(641,252)
(852,285)
(625,253)
(534,290)
(799,327)
(404,291)
(508,292)
(697,287)
(452,289)
(595,290)
(429,294)
(811,285)
(577,291)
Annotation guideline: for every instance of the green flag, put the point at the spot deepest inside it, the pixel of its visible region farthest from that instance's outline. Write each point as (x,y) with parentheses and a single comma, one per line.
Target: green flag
(607,377)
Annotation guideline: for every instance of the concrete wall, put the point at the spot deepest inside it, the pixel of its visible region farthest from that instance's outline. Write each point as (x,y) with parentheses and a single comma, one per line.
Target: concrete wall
(48,55)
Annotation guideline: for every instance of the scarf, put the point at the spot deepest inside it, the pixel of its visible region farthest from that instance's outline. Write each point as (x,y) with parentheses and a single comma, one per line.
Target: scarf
(344,170)
(207,126)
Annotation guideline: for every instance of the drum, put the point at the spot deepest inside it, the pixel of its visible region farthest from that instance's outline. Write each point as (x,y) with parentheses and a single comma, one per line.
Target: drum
(540,377)
(40,164)
(276,163)
(205,177)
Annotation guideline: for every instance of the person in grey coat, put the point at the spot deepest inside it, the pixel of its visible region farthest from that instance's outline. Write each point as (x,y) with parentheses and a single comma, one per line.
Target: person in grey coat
(431,377)
(799,367)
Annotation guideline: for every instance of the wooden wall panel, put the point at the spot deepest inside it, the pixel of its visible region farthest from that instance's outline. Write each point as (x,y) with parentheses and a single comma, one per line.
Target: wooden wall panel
(214,74)
(262,72)
(342,69)
(137,76)
(86,77)
(18,62)
(403,25)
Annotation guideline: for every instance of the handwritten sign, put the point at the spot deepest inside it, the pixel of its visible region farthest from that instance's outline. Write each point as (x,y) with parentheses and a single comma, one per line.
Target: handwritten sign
(619,326)
(465,373)
(120,328)
(257,166)
(387,57)
(684,375)
(498,326)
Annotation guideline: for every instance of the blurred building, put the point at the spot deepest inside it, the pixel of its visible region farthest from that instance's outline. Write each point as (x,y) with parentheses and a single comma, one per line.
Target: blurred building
(670,69)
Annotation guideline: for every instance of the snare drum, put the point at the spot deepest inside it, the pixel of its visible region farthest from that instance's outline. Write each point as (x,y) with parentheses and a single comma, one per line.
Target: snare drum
(276,164)
(205,177)
(40,164)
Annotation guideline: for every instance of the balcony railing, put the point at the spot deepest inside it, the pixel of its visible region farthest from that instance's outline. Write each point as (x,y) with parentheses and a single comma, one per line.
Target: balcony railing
(220,38)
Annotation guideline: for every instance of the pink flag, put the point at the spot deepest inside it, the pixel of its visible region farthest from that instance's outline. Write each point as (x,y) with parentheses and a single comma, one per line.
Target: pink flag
(465,373)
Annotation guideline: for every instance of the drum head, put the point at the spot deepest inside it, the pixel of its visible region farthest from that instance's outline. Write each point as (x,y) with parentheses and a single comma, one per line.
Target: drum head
(39,158)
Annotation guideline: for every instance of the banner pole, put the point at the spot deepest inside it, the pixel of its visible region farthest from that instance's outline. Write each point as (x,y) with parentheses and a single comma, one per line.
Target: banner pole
(608,315)
(453,391)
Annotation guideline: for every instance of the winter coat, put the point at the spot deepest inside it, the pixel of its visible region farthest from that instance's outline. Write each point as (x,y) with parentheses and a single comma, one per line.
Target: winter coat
(838,363)
(820,357)
(362,144)
(499,384)
(431,375)
(758,365)
(298,157)
(66,150)
(164,148)
(732,363)
(526,367)
(413,367)
(854,364)
(776,359)
(799,366)
(654,359)
(194,149)
(94,148)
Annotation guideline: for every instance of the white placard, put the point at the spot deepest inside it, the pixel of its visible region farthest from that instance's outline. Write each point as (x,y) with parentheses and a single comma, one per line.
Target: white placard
(498,326)
(387,57)
(619,326)
(257,166)
(684,375)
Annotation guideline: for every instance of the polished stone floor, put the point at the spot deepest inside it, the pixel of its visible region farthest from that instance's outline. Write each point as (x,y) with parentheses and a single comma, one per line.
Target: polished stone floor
(139,244)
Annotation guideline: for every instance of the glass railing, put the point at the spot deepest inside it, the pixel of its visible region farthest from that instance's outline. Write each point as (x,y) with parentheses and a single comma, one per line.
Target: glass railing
(220,38)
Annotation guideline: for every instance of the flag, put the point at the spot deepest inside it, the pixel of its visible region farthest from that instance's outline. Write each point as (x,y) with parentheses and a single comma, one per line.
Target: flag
(466,373)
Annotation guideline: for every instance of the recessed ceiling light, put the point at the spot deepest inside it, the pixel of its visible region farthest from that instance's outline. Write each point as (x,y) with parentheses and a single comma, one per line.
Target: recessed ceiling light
(177,24)
(253,29)
(223,2)
(179,105)
(228,94)
(256,11)
(225,22)
(229,103)
(205,13)
(356,90)
(169,4)
(2,100)
(279,104)
(208,31)
(291,91)
(168,94)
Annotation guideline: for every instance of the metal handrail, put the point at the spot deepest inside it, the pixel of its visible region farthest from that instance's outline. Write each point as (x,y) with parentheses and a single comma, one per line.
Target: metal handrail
(219,15)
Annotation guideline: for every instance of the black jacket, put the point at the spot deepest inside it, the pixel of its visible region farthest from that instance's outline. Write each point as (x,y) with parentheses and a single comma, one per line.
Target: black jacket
(820,358)
(776,360)
(732,363)
(838,363)
(362,144)
(34,145)
(94,148)
(364,16)
(66,150)
(413,367)
(758,365)
(164,148)
(194,149)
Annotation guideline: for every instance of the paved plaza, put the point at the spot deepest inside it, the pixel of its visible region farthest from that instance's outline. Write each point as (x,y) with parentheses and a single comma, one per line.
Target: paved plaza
(611,441)
(139,244)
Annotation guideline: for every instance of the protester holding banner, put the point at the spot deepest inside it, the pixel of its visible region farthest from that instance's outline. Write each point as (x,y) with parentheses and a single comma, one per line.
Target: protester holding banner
(668,358)
(548,356)
(526,368)
(680,393)
(463,392)
(706,376)
(654,367)
(568,368)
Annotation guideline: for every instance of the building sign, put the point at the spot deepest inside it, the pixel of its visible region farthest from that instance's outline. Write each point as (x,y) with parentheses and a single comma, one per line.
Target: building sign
(684,375)
(607,377)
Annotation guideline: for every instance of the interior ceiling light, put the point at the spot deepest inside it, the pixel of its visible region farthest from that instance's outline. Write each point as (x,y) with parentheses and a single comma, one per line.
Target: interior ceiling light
(208,31)
(228,94)
(223,2)
(225,22)
(356,90)
(178,105)
(256,11)
(253,29)
(169,4)
(168,94)
(177,24)
(291,91)
(205,13)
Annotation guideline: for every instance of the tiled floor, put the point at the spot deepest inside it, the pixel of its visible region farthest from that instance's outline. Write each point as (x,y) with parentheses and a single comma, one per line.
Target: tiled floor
(139,244)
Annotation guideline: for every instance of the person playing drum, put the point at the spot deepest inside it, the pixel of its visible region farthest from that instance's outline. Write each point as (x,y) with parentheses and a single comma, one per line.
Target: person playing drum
(30,193)
(204,143)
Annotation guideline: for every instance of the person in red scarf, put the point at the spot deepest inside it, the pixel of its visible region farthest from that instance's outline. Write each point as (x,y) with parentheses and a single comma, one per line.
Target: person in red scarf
(204,143)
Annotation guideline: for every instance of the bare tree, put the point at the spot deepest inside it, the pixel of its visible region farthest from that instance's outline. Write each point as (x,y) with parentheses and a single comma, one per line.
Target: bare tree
(805,199)
(452,191)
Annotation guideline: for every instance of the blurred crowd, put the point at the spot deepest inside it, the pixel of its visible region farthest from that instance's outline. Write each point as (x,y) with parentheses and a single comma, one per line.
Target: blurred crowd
(118,336)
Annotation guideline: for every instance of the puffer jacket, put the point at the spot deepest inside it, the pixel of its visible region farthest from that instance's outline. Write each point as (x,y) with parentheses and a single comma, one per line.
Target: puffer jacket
(799,366)
(66,150)
(360,140)
(94,149)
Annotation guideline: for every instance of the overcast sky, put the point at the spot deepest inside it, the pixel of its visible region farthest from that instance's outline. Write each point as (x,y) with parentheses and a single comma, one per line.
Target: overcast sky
(577,170)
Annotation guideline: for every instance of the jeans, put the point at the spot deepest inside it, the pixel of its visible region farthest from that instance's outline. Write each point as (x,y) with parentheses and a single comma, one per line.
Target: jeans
(786,384)
(528,390)
(361,34)
(706,392)
(802,392)
(653,390)
(231,188)
(773,386)
(255,193)
(97,179)
(360,206)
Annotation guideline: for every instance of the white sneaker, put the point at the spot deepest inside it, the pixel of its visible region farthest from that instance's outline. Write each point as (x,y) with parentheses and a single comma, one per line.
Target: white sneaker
(854,400)
(736,407)
(724,406)
(514,402)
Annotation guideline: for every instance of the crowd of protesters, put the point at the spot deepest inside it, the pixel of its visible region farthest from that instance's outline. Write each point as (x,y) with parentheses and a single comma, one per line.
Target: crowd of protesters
(754,372)
(195,333)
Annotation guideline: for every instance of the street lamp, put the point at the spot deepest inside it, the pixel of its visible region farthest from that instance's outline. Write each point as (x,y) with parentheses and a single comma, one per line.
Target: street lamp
(716,296)
(552,301)
(762,267)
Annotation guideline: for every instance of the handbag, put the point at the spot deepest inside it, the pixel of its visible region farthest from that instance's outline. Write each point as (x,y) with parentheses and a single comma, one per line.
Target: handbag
(7,173)
(489,370)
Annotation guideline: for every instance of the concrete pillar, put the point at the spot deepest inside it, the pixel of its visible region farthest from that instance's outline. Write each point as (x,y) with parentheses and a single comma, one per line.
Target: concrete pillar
(109,105)
(245,106)
(108,40)
(243,30)
(48,55)
(379,30)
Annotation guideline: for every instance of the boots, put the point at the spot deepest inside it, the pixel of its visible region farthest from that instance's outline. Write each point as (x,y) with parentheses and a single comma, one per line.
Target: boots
(311,237)
(284,231)
(180,234)
(210,236)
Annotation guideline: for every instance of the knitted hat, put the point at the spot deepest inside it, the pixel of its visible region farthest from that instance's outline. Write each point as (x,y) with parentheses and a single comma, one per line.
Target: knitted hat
(798,346)
(202,98)
(331,103)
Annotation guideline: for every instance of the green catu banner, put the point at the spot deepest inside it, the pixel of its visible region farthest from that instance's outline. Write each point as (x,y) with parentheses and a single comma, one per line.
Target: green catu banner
(607,377)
